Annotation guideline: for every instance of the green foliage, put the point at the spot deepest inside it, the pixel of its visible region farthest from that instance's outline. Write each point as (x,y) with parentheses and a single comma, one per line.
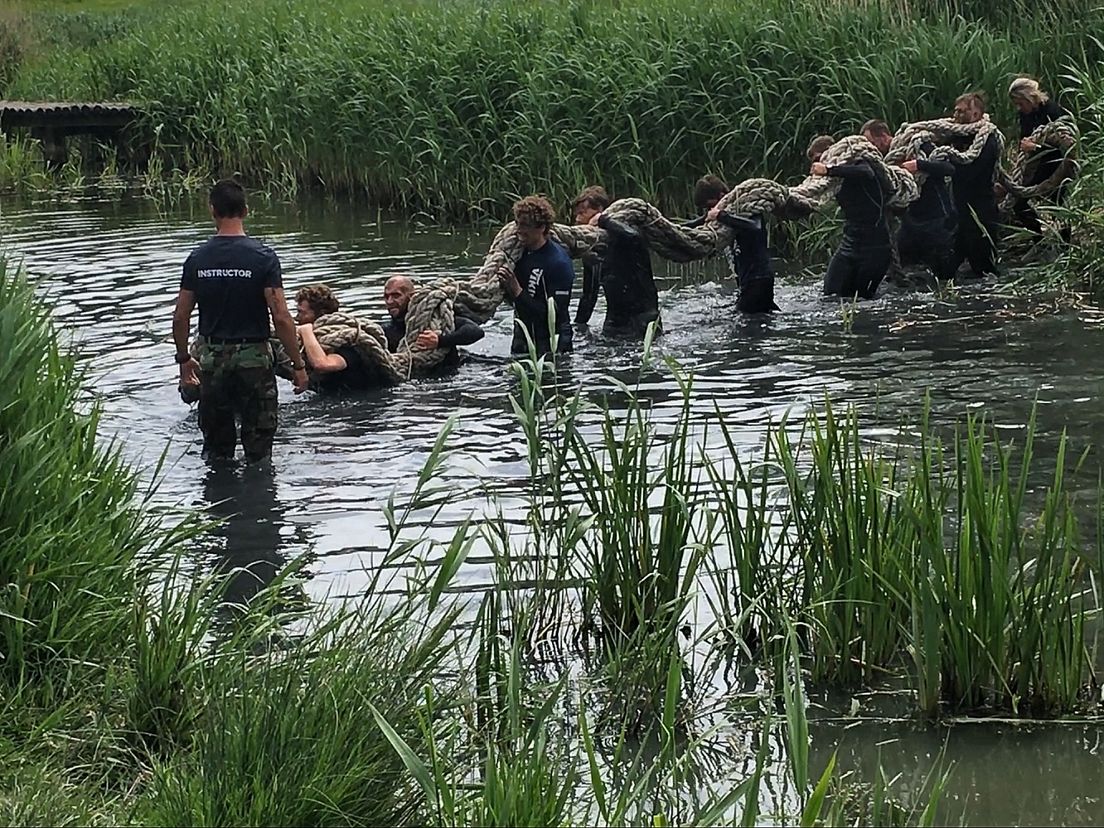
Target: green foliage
(453,108)
(72,525)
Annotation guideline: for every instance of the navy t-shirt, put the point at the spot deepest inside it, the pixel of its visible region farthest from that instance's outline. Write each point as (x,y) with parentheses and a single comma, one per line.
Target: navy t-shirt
(228,276)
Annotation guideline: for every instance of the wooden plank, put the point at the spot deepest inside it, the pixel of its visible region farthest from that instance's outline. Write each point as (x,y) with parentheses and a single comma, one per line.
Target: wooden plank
(65,115)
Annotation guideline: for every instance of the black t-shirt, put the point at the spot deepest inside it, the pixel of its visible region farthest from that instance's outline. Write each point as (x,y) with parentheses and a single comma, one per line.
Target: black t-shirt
(229,275)
(357,376)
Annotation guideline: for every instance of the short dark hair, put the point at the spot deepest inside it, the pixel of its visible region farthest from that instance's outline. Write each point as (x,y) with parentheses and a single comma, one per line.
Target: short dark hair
(595,197)
(819,144)
(976,99)
(875,126)
(534,211)
(319,297)
(228,199)
(708,190)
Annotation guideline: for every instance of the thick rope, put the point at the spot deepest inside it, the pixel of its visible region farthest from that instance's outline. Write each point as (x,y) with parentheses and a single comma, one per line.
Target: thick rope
(941,132)
(1061,134)
(678,243)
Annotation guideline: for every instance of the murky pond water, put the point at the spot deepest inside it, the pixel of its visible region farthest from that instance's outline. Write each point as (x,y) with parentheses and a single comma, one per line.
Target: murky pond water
(112,269)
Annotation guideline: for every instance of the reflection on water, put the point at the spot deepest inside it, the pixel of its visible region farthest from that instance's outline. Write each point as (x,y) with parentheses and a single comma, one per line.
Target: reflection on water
(112,270)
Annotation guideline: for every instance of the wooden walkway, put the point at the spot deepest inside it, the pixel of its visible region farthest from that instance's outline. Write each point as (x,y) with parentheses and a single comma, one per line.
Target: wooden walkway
(51,122)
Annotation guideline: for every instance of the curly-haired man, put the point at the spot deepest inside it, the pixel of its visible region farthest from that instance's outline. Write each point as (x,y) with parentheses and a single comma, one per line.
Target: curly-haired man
(544,272)
(313,301)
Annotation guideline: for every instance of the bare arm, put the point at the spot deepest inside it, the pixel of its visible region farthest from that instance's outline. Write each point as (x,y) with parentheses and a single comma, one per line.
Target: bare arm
(319,360)
(285,330)
(182,327)
(182,319)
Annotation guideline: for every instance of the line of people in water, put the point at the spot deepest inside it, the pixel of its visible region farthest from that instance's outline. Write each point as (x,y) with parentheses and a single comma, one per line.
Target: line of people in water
(237,282)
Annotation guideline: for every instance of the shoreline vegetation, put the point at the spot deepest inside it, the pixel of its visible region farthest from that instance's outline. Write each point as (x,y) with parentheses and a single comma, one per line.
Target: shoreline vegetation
(574,689)
(453,109)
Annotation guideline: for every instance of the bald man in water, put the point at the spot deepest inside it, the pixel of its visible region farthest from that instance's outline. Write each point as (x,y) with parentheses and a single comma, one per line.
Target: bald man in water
(397,293)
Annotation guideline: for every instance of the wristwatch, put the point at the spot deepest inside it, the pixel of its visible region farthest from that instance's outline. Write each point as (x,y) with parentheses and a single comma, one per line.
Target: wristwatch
(182,357)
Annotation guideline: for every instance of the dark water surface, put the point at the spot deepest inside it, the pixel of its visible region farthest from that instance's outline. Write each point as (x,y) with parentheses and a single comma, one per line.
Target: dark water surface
(112,269)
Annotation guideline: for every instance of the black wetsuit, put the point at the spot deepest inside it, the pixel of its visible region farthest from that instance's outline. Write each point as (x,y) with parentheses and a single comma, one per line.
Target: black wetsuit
(465,332)
(622,268)
(976,204)
(928,228)
(863,257)
(749,261)
(357,375)
(1047,159)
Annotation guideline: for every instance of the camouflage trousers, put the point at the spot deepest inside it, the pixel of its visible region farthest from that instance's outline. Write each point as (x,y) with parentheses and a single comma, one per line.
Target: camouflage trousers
(237,385)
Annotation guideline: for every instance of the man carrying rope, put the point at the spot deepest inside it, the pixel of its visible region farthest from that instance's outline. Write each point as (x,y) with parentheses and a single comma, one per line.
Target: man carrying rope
(397,292)
(864,255)
(543,272)
(974,197)
(237,283)
(345,368)
(928,228)
(621,267)
(313,301)
(1036,109)
(748,255)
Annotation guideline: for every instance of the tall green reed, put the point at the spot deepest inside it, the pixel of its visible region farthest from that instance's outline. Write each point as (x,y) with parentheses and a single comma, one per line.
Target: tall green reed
(397,103)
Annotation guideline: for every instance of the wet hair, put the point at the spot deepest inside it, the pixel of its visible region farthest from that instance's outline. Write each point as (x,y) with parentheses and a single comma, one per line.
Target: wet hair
(596,198)
(319,297)
(1028,89)
(708,190)
(975,99)
(876,126)
(534,211)
(228,199)
(818,145)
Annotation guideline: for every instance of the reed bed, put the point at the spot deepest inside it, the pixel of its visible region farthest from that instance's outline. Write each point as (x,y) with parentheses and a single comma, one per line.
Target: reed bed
(452,109)
(125,702)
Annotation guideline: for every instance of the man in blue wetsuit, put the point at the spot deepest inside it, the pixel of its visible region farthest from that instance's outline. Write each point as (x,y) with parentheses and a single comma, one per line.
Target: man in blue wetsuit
(543,272)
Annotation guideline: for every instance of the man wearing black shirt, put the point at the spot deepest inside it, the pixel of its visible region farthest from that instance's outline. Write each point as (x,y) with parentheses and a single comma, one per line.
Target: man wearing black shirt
(396,296)
(748,253)
(238,286)
(1037,109)
(543,272)
(928,227)
(621,267)
(864,254)
(974,198)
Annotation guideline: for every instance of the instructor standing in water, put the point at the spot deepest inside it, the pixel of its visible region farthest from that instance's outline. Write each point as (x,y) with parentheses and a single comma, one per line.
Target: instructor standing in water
(237,283)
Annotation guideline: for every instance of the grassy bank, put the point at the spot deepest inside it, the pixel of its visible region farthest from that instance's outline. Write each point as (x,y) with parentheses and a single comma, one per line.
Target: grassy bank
(581,675)
(451,108)
(124,703)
